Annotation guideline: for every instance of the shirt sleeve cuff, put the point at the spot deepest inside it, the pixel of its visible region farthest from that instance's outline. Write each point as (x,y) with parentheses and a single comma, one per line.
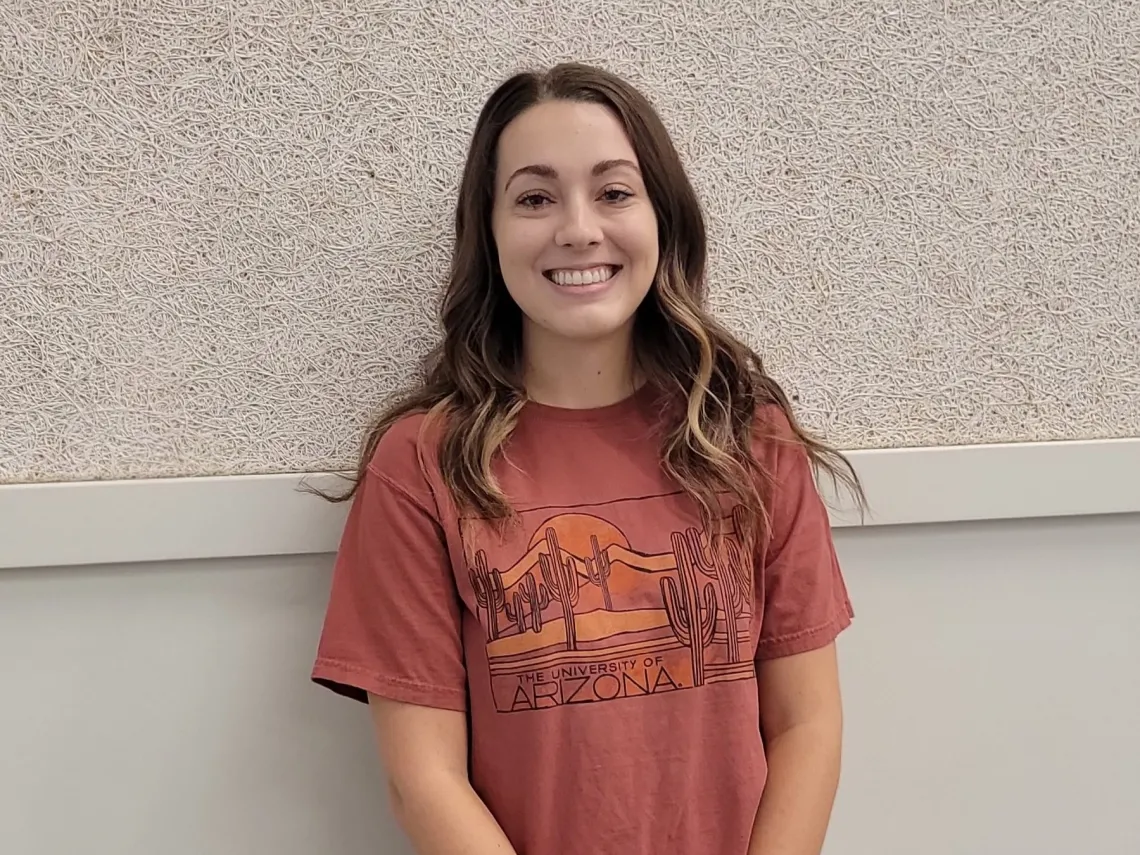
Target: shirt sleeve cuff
(806,639)
(356,682)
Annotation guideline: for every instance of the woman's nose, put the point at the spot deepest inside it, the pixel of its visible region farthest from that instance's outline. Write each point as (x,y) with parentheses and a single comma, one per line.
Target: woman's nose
(579,227)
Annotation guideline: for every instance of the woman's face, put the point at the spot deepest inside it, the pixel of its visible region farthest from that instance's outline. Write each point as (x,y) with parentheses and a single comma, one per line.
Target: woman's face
(575,232)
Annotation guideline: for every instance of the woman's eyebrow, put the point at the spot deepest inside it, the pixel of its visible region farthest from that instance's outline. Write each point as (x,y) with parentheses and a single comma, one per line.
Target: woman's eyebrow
(543,170)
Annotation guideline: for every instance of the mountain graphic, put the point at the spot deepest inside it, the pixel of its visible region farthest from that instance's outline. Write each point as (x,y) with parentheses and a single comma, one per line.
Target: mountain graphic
(581,597)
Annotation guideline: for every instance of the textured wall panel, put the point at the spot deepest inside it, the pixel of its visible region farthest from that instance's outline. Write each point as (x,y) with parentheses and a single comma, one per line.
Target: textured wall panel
(223,225)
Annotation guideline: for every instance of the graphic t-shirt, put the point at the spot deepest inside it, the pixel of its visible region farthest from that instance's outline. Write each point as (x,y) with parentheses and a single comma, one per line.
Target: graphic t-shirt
(603,645)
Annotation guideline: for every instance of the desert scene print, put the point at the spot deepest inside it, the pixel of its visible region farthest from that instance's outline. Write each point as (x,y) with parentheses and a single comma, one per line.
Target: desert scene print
(584,616)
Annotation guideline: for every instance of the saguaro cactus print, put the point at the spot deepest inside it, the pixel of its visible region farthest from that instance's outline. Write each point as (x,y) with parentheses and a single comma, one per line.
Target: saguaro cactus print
(693,622)
(562,583)
(489,593)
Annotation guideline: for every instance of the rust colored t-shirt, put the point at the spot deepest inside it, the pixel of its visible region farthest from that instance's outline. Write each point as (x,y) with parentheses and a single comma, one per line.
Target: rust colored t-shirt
(603,650)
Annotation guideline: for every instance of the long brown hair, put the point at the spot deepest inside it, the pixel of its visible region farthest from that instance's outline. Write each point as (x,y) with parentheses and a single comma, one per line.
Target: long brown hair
(473,379)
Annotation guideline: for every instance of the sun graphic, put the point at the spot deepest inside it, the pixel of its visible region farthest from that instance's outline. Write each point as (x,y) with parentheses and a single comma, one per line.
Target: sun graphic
(574,532)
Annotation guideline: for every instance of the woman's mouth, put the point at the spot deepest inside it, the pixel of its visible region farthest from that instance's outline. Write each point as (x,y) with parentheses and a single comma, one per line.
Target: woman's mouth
(568,278)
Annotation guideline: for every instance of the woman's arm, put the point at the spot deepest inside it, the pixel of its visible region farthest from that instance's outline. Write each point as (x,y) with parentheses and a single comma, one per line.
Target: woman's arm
(801,719)
(424,751)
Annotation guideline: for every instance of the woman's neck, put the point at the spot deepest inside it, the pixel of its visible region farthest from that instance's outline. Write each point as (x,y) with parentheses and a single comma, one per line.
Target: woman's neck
(580,375)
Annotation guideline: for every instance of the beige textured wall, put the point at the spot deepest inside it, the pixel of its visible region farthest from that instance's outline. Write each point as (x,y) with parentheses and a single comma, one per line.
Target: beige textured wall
(223,224)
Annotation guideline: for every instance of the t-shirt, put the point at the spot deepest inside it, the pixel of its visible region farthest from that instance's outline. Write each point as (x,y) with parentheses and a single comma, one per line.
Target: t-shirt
(603,647)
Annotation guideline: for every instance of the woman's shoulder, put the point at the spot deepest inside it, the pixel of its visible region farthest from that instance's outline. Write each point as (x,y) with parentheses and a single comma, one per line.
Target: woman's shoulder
(772,424)
(775,442)
(407,451)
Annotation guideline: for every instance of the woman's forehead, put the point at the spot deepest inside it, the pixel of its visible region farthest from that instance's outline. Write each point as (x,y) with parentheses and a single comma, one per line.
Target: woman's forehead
(563,138)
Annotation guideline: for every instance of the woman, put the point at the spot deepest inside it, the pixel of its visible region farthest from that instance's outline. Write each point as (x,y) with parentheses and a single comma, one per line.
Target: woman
(587,586)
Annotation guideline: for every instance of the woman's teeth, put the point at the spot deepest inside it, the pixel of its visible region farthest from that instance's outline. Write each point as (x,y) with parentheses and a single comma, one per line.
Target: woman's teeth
(582,277)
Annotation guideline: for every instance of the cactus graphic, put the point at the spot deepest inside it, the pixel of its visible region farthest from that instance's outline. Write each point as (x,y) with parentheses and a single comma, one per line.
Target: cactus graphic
(692,621)
(598,571)
(736,552)
(537,596)
(561,583)
(719,559)
(516,612)
(489,593)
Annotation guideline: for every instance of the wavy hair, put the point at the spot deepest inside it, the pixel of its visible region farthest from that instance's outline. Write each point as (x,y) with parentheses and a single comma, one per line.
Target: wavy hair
(712,383)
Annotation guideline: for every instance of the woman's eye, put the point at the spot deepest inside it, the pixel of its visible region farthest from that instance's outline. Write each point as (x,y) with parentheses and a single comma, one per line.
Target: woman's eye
(532,200)
(616,194)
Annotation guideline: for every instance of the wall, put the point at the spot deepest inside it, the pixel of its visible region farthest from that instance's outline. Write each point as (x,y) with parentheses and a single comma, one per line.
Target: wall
(991,687)
(223,228)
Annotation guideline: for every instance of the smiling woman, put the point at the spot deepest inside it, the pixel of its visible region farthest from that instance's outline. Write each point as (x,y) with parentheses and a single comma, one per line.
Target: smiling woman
(587,584)
(576,236)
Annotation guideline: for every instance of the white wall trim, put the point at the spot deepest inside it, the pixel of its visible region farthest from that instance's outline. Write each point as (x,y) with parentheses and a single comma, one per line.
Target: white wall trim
(96,522)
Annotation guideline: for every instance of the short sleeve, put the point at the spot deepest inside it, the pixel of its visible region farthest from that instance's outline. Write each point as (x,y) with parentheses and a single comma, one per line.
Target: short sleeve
(393,622)
(804,596)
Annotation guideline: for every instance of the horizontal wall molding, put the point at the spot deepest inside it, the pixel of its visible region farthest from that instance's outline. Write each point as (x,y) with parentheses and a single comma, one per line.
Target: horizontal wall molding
(98,522)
